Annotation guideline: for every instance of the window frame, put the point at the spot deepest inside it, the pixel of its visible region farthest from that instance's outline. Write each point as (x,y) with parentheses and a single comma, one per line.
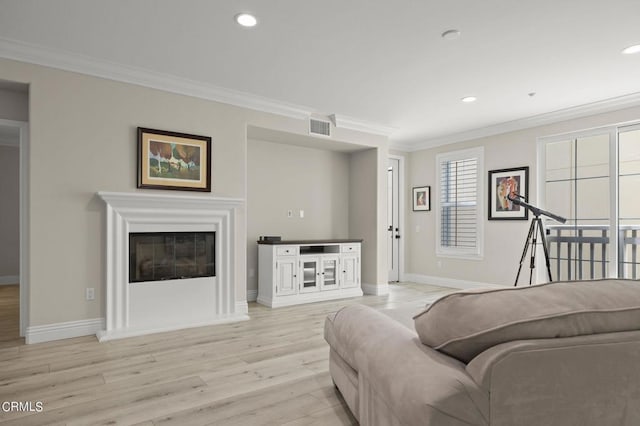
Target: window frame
(477,253)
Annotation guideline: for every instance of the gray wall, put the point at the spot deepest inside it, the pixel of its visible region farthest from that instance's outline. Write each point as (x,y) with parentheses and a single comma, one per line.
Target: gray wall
(86,143)
(9,211)
(14,105)
(284,177)
(363,216)
(504,240)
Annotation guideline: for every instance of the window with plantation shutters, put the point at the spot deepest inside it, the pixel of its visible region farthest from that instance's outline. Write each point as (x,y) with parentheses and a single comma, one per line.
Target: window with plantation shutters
(460,203)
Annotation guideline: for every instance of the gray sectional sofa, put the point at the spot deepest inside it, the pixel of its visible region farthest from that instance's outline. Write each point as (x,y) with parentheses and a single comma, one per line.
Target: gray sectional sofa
(565,353)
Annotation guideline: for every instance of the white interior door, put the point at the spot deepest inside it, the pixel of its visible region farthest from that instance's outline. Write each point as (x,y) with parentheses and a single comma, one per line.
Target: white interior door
(393,219)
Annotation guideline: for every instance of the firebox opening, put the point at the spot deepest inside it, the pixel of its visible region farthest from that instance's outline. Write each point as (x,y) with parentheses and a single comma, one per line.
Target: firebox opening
(157,256)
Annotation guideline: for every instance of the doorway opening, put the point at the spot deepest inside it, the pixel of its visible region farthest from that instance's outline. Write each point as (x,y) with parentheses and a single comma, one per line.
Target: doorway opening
(395,217)
(13,230)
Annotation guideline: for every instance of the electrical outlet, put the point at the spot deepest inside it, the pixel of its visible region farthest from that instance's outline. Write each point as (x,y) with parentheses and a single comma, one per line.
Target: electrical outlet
(91,294)
(289,213)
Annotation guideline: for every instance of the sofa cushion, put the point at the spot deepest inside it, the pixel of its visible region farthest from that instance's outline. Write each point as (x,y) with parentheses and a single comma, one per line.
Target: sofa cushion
(464,324)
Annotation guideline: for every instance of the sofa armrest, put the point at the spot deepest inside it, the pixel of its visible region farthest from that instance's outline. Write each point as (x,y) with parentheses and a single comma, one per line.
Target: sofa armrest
(581,380)
(418,384)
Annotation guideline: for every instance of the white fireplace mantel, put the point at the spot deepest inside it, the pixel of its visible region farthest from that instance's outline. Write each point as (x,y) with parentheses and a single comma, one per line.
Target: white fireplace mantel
(149,307)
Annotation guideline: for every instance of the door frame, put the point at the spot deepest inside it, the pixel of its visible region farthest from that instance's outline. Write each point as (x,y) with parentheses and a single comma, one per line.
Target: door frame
(401,213)
(23,146)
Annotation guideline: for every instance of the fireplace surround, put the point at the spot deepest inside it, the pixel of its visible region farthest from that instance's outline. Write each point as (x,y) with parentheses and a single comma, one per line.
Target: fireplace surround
(149,306)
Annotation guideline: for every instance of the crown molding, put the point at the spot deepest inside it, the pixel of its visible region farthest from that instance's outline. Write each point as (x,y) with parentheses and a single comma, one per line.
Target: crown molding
(580,111)
(68,61)
(403,146)
(345,122)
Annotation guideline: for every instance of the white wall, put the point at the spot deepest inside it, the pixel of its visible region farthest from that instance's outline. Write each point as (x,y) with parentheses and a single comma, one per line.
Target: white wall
(504,240)
(9,211)
(282,177)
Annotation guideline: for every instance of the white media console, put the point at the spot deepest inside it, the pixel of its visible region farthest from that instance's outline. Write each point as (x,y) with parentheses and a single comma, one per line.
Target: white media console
(304,271)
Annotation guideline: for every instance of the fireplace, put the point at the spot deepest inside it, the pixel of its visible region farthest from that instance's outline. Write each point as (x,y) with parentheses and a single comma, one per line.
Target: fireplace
(170,263)
(159,256)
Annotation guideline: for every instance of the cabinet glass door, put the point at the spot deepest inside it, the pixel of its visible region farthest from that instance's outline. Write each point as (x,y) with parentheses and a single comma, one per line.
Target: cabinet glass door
(310,275)
(329,274)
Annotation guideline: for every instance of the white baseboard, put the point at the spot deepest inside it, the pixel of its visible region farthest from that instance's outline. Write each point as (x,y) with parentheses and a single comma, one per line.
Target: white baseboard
(252,295)
(9,279)
(375,289)
(63,330)
(310,297)
(242,308)
(448,282)
(105,336)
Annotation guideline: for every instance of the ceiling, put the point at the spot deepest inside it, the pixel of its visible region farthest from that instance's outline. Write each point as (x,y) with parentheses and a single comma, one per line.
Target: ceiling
(378,62)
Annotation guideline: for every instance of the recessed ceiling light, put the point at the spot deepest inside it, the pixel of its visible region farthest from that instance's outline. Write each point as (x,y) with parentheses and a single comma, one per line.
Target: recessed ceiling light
(450,34)
(469,99)
(632,49)
(246,20)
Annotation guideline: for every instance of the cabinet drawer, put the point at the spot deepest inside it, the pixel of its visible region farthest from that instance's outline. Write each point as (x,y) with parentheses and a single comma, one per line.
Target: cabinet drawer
(350,248)
(287,251)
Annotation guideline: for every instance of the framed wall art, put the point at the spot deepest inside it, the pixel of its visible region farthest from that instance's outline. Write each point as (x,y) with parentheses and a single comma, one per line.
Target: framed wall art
(421,198)
(171,160)
(501,184)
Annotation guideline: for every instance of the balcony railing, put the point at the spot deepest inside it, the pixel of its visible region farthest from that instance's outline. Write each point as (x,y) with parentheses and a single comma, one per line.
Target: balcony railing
(581,252)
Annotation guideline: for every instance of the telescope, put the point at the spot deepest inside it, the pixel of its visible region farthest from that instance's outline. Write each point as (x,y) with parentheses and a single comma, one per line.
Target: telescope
(536,225)
(522,201)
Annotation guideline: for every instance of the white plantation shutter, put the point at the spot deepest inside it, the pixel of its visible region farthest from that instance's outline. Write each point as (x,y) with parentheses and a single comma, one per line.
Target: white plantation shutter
(460,217)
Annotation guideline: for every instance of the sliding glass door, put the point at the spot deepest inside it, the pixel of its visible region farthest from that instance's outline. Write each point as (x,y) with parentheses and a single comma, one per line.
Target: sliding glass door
(592,179)
(629,201)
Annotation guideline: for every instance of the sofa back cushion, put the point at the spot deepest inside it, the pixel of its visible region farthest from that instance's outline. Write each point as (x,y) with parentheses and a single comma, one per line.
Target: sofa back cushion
(464,324)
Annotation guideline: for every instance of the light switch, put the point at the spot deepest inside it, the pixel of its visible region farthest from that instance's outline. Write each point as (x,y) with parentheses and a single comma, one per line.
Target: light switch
(301,214)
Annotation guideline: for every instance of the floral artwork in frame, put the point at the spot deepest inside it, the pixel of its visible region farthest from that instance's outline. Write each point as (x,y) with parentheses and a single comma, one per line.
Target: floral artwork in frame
(171,160)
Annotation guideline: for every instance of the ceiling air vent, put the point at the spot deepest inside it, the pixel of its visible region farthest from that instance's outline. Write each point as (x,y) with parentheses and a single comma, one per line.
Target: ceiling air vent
(319,127)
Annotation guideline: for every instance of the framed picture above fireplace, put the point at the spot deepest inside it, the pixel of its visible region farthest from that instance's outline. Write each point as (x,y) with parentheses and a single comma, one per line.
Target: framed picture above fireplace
(171,160)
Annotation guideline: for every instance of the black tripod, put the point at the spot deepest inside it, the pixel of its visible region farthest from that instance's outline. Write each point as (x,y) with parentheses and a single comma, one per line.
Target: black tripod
(532,238)
(536,225)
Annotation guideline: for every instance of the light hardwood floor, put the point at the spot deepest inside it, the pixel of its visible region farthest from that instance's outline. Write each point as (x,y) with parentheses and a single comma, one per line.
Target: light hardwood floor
(272,369)
(9,315)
